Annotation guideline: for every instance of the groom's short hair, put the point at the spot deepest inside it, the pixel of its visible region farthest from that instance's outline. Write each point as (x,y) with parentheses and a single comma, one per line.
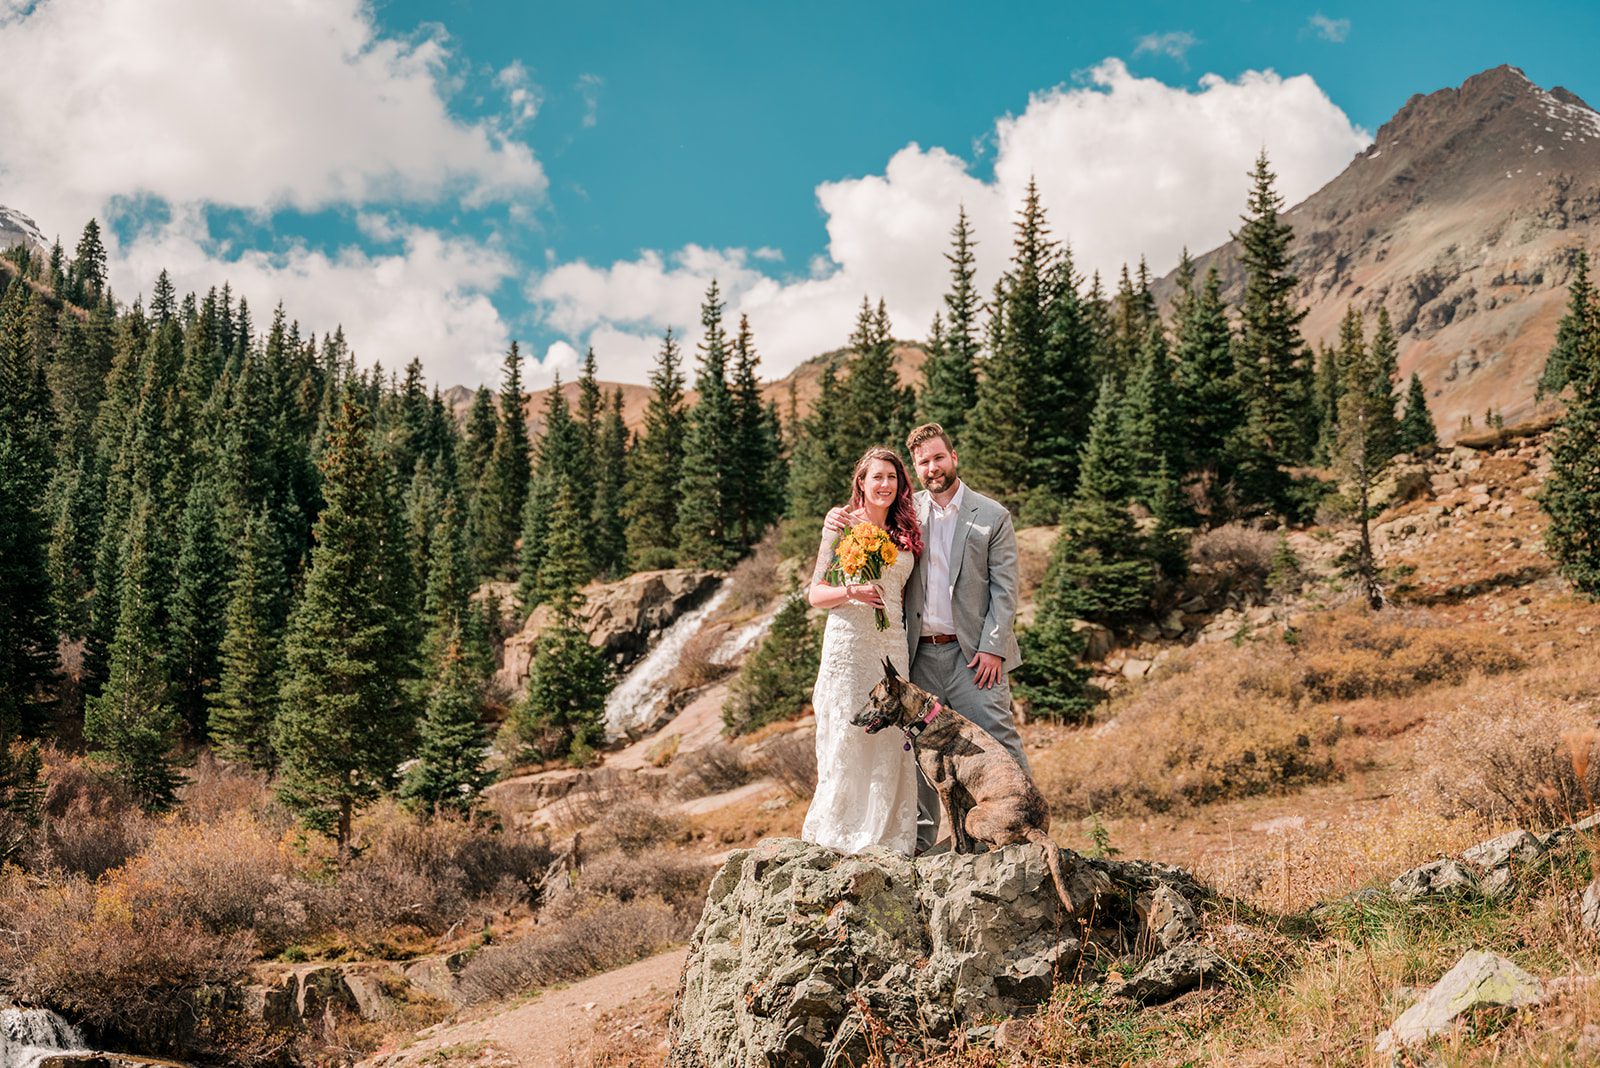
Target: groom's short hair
(926,433)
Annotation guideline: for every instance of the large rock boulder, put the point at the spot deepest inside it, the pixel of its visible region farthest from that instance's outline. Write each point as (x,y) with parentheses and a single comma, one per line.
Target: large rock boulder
(621,617)
(802,953)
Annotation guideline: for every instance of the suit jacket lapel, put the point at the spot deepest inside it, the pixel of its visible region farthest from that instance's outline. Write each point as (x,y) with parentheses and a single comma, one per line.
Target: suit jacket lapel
(969,512)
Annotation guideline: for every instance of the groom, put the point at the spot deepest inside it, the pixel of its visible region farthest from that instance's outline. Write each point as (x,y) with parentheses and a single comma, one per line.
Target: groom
(960,604)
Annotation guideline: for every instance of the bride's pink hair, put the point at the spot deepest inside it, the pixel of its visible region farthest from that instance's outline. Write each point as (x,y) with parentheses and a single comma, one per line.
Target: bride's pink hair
(902,519)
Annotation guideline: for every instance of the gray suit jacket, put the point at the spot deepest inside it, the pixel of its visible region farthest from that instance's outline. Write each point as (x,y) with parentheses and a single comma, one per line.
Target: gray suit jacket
(983,567)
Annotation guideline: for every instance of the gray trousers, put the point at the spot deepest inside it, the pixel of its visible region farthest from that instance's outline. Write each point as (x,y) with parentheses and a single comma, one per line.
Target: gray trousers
(942,670)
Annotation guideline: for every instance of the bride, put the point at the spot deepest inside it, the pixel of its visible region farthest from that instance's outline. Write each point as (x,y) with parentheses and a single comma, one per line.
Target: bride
(866,784)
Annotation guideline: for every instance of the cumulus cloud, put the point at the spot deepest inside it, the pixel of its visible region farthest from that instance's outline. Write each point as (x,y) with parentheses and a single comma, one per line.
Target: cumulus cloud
(1335,30)
(247,105)
(1125,166)
(131,110)
(1175,45)
(429,298)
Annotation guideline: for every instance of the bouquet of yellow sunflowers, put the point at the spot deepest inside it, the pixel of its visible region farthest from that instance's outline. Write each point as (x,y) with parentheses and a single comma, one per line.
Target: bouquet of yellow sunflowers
(861,555)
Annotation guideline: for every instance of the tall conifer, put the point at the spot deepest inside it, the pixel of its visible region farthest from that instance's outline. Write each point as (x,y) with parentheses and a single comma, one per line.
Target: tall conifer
(706,492)
(950,375)
(656,465)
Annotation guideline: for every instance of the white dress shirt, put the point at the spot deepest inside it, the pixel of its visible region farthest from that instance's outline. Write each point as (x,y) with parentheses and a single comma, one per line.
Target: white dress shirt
(938,542)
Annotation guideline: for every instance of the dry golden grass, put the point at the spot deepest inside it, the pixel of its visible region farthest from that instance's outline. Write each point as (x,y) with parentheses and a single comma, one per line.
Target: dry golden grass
(1268,715)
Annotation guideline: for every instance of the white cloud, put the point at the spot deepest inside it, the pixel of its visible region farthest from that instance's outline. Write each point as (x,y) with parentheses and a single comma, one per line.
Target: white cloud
(523,97)
(1175,44)
(430,299)
(1335,30)
(1125,166)
(589,86)
(257,106)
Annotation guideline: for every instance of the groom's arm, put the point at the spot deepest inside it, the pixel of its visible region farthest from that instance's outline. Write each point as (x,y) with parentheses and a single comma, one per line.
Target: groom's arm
(1002,588)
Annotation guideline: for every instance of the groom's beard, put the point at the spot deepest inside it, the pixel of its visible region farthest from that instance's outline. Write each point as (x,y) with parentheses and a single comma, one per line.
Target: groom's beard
(938,483)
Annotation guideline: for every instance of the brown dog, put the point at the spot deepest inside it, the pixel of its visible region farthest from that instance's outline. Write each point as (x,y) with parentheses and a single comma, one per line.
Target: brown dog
(986,794)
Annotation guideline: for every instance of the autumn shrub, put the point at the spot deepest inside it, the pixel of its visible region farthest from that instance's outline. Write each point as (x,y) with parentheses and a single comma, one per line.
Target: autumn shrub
(790,760)
(214,789)
(697,665)
(1350,656)
(1211,739)
(429,874)
(636,824)
(711,769)
(1512,756)
(1231,557)
(677,879)
(754,581)
(91,822)
(117,959)
(228,876)
(602,935)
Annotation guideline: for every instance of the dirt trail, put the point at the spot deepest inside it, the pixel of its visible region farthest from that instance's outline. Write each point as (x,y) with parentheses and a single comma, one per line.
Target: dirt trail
(545,1032)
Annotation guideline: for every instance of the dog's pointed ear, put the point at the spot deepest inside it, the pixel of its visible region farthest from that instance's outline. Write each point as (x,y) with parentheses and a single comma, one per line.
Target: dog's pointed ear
(888,669)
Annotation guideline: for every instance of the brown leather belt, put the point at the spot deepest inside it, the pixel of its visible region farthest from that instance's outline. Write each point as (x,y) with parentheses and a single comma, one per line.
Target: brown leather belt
(937,639)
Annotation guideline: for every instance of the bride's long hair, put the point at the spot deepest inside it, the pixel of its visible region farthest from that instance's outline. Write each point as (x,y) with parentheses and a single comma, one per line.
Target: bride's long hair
(902,519)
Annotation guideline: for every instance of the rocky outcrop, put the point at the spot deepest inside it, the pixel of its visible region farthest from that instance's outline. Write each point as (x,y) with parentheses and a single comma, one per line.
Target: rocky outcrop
(621,617)
(802,953)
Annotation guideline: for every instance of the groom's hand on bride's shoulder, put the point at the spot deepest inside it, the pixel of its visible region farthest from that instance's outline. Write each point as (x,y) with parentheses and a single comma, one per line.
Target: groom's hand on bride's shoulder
(840,520)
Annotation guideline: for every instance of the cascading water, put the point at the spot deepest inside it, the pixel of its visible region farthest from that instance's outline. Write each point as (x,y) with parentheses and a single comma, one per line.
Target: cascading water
(743,639)
(28,1036)
(638,699)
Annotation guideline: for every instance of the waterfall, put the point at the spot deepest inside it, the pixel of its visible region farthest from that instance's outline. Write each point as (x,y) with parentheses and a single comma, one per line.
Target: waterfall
(743,639)
(637,700)
(28,1036)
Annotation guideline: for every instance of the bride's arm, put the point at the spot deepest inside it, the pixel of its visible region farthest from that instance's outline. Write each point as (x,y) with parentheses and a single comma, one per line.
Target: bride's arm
(826,596)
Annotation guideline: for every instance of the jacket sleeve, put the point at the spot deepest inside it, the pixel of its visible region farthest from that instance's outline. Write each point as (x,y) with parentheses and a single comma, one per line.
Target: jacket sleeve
(1002,588)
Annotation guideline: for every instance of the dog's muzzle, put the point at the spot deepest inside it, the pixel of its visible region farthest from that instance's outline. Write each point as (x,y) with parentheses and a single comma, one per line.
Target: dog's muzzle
(878,722)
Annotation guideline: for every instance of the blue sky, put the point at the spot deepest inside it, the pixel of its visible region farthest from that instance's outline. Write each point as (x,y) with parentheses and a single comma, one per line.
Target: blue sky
(442,177)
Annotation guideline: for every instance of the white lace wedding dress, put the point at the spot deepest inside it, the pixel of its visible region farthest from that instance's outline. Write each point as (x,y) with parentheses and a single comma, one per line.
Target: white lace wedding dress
(866,783)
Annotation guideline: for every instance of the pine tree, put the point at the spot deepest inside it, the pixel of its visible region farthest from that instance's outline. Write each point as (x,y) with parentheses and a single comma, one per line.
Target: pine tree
(510,474)
(1273,371)
(756,475)
(1572,331)
(86,281)
(1100,570)
(876,407)
(1208,401)
(1329,385)
(776,681)
(1365,441)
(1571,495)
(610,541)
(1385,376)
(562,464)
(1061,395)
(245,702)
(950,374)
(449,775)
(819,470)
(1417,431)
(344,719)
(561,717)
(27,632)
(132,723)
(1149,420)
(655,467)
(198,605)
(995,453)
(590,405)
(706,493)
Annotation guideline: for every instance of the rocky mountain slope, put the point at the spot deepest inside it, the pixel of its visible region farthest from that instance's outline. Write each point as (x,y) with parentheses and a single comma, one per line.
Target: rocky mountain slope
(17,229)
(1463,219)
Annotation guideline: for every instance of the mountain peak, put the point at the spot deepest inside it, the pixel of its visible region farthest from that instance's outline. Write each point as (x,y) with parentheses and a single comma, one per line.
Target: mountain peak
(1462,219)
(17,229)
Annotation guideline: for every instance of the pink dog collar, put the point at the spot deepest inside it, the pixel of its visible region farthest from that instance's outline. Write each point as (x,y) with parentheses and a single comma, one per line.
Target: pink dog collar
(922,724)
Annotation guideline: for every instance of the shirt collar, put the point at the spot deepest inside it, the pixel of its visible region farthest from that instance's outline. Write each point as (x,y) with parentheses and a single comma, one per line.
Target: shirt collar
(955,502)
